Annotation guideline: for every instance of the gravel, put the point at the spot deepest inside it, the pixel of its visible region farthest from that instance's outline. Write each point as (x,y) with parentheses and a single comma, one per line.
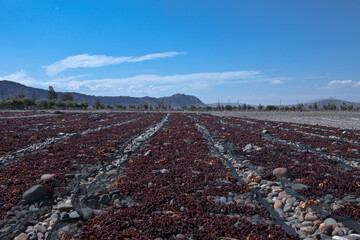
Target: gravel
(339,119)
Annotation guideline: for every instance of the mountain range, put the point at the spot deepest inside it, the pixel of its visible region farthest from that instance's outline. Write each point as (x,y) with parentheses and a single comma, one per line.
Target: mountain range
(9,89)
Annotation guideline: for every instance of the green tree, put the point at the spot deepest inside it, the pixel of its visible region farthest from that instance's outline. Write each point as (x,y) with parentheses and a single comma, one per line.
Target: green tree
(271,108)
(52,95)
(315,106)
(67,97)
(98,105)
(228,107)
(260,107)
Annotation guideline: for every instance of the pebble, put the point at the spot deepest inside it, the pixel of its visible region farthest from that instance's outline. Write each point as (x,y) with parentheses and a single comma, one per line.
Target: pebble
(330,221)
(279,210)
(307,230)
(310,216)
(325,237)
(105,199)
(22,236)
(283,195)
(307,223)
(325,228)
(35,193)
(88,213)
(281,172)
(47,177)
(64,216)
(223,199)
(65,207)
(290,201)
(278,204)
(287,207)
(273,194)
(74,215)
(248,147)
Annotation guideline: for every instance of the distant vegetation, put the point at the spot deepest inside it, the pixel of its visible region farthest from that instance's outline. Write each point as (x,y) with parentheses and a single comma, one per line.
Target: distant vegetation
(66,101)
(21,102)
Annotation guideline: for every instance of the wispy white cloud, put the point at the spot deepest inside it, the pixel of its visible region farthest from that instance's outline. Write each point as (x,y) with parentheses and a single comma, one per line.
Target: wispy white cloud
(22,77)
(277,82)
(19,76)
(149,84)
(157,85)
(87,61)
(349,84)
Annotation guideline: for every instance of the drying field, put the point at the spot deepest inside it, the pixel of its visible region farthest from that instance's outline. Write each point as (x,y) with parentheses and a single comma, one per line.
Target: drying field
(155,175)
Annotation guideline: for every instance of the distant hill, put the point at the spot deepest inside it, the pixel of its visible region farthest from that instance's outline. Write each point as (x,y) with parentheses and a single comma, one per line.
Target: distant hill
(336,102)
(320,103)
(10,89)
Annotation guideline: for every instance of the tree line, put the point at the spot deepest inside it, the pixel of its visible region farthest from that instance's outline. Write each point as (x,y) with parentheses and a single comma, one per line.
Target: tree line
(66,101)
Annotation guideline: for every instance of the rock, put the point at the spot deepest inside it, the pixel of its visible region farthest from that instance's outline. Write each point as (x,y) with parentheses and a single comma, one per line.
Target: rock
(104,199)
(187,141)
(69,175)
(290,201)
(265,131)
(287,207)
(164,170)
(279,211)
(276,188)
(342,231)
(297,186)
(40,236)
(248,147)
(22,236)
(74,215)
(325,228)
(180,236)
(112,172)
(32,208)
(54,215)
(261,168)
(310,216)
(87,213)
(64,216)
(307,230)
(339,238)
(30,229)
(35,193)
(281,172)
(223,199)
(325,237)
(41,229)
(47,177)
(307,224)
(283,195)
(278,204)
(330,221)
(65,207)
(148,153)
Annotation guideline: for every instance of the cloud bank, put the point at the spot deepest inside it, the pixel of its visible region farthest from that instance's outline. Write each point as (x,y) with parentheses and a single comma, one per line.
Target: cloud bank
(87,61)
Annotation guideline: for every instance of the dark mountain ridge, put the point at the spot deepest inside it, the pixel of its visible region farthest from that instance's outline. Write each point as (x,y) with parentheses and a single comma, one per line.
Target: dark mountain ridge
(9,89)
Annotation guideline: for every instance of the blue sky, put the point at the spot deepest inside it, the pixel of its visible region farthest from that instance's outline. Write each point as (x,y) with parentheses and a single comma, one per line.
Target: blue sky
(257,51)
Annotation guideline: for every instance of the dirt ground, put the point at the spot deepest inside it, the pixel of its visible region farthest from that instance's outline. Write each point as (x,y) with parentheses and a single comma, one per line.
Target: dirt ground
(343,120)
